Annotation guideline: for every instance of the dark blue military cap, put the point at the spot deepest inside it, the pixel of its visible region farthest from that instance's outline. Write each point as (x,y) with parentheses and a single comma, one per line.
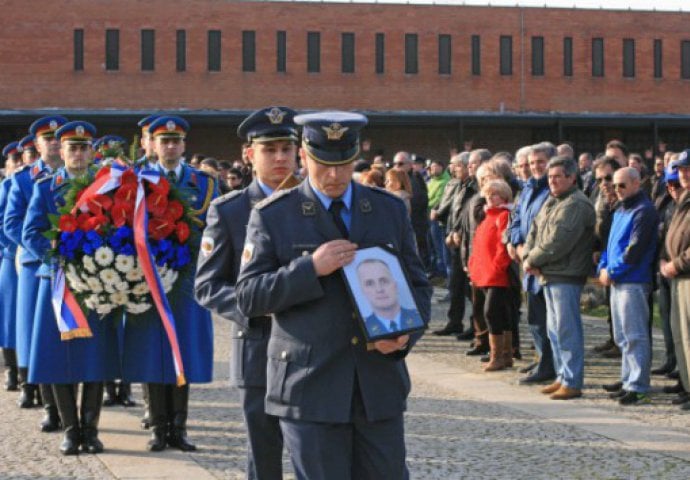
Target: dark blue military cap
(683,159)
(110,141)
(47,126)
(331,137)
(268,125)
(146,121)
(169,126)
(76,132)
(27,143)
(11,148)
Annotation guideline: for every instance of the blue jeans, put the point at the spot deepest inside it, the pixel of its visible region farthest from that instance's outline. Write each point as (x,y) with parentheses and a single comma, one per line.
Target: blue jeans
(441,255)
(536,319)
(630,314)
(564,325)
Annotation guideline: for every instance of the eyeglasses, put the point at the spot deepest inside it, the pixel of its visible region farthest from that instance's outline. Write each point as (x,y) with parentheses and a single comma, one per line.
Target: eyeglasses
(619,186)
(606,178)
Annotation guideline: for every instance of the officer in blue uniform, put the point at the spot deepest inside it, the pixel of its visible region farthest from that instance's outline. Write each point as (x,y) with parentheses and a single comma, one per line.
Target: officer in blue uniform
(272,136)
(147,356)
(340,401)
(27,146)
(43,131)
(89,361)
(8,276)
(148,159)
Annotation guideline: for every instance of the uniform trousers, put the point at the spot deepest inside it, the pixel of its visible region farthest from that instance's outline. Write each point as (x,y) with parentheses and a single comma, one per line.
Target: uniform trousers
(264,438)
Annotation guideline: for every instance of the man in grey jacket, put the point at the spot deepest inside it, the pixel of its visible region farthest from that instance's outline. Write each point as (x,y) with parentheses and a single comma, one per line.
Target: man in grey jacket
(559,251)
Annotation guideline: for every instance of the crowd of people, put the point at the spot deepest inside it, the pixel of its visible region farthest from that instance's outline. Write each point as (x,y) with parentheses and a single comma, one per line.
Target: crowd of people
(497,229)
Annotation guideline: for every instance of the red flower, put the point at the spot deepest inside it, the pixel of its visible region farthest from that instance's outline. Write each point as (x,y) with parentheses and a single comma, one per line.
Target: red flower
(182,231)
(68,223)
(160,228)
(175,210)
(162,187)
(98,204)
(157,203)
(96,222)
(129,177)
(122,212)
(83,221)
(127,192)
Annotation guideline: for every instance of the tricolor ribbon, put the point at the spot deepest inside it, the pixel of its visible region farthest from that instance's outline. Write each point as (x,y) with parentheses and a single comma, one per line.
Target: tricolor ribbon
(101,185)
(70,319)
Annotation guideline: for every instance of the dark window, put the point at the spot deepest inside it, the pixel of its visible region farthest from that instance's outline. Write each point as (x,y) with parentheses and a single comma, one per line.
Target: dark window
(380,52)
(181,50)
(348,53)
(685,59)
(248,51)
(658,58)
(411,65)
(313,52)
(214,50)
(79,49)
(628,58)
(506,49)
(112,49)
(148,40)
(281,51)
(597,57)
(568,56)
(538,56)
(444,54)
(476,55)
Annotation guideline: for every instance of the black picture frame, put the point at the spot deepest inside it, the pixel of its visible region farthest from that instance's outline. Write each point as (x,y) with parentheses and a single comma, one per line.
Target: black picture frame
(374,300)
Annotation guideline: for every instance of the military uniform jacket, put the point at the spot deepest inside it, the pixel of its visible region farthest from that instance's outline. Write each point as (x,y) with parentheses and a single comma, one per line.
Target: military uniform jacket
(217,269)
(317,352)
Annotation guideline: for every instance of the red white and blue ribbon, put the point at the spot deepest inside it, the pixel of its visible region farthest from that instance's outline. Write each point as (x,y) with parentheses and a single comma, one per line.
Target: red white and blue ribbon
(70,319)
(101,185)
(148,266)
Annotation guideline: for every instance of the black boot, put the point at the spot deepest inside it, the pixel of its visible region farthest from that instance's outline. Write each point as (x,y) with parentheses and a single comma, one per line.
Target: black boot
(66,401)
(26,397)
(91,401)
(11,374)
(124,394)
(146,419)
(110,397)
(158,416)
(177,434)
(51,421)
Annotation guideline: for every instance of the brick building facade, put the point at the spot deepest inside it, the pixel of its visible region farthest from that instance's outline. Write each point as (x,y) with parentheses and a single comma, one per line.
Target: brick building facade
(430,76)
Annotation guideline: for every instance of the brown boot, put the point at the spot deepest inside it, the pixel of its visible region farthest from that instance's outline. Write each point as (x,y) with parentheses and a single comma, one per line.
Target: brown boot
(566,393)
(508,348)
(551,388)
(496,354)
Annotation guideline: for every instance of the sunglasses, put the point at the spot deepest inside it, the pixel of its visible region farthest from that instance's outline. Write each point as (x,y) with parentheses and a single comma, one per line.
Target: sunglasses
(619,186)
(607,178)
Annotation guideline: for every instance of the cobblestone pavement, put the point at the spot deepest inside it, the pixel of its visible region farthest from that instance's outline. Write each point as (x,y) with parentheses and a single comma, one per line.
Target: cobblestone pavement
(450,434)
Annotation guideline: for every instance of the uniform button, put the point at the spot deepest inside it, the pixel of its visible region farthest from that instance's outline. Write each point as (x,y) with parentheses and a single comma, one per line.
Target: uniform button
(305,253)
(354,341)
(283,354)
(240,334)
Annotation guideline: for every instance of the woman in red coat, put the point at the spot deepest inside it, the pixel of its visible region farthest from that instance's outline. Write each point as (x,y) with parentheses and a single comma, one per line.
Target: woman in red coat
(488,269)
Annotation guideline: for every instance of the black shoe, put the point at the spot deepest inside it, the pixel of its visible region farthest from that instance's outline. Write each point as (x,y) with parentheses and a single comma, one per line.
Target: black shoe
(26,397)
(478,350)
(51,422)
(602,347)
(674,375)
(516,354)
(446,331)
(663,370)
(681,399)
(612,387)
(613,352)
(618,394)
(178,439)
(529,367)
(90,442)
(11,380)
(70,442)
(157,443)
(537,377)
(466,335)
(109,396)
(124,395)
(145,422)
(632,398)
(677,388)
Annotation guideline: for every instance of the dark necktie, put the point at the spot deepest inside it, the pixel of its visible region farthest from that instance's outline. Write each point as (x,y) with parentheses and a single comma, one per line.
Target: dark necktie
(172,177)
(335,209)
(394,326)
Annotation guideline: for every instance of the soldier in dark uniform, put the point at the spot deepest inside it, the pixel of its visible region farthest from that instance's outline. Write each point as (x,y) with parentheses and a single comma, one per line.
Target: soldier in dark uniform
(18,199)
(149,158)
(66,363)
(340,401)
(273,137)
(147,356)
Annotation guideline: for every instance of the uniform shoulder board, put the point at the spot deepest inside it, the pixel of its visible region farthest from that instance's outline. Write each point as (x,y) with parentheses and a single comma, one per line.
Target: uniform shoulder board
(47,178)
(273,198)
(23,168)
(227,197)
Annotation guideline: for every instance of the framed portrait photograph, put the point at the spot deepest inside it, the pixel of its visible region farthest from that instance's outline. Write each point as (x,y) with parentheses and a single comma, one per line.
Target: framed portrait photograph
(381,294)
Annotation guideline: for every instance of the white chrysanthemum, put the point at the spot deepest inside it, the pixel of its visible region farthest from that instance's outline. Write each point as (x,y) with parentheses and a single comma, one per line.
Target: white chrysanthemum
(89,264)
(80,287)
(135,274)
(140,289)
(71,271)
(104,256)
(137,308)
(109,277)
(162,270)
(119,298)
(124,263)
(122,287)
(92,301)
(95,286)
(104,308)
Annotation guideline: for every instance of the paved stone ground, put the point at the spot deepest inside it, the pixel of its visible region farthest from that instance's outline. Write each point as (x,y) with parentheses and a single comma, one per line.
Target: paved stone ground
(452,433)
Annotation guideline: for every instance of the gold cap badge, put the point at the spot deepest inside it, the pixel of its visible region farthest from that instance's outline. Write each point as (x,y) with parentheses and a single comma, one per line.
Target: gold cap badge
(335,131)
(276,115)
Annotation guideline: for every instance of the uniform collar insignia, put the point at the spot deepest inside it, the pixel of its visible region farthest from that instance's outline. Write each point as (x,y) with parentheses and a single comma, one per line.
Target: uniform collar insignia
(365,205)
(35,170)
(375,328)
(275,116)
(308,209)
(335,131)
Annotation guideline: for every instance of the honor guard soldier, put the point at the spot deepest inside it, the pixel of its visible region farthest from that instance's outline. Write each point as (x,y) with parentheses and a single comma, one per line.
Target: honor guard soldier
(108,148)
(147,356)
(8,276)
(27,146)
(56,358)
(149,159)
(272,136)
(43,131)
(340,400)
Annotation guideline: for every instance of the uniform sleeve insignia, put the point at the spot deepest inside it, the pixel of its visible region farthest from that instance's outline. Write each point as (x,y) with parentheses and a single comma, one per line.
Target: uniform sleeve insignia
(365,205)
(207,244)
(247,253)
(275,116)
(308,209)
(335,131)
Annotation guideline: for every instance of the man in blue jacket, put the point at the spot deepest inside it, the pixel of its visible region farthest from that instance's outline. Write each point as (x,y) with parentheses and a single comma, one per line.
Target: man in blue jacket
(626,266)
